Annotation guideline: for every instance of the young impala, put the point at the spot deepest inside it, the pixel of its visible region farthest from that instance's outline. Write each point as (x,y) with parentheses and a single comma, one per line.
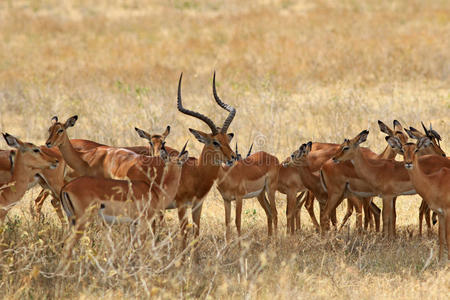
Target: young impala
(434,148)
(28,162)
(155,142)
(248,178)
(118,201)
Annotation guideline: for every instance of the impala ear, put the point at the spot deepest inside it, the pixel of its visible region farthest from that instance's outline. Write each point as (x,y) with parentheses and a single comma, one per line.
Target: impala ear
(142,133)
(54,120)
(411,134)
(397,125)
(230,136)
(166,133)
(362,137)
(164,155)
(12,141)
(423,142)
(395,143)
(71,122)
(184,157)
(385,129)
(200,136)
(308,147)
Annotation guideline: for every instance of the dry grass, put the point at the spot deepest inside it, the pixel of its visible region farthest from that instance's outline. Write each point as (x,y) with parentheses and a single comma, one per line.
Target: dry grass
(295,70)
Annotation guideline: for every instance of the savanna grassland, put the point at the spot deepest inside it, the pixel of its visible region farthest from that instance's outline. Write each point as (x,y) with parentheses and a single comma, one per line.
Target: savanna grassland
(295,70)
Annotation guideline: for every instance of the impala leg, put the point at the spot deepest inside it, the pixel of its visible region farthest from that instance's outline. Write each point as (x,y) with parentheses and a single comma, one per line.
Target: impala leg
(39,201)
(196,214)
(427,215)
(238,218)
(325,213)
(394,216)
(266,206)
(347,214)
(227,206)
(376,212)
(368,222)
(183,222)
(388,206)
(273,207)
(333,218)
(290,212)
(78,229)
(309,205)
(441,235)
(56,203)
(358,209)
(421,215)
(447,232)
(298,208)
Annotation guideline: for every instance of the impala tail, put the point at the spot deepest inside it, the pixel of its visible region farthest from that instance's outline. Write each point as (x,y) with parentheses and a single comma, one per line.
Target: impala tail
(68,207)
(322,182)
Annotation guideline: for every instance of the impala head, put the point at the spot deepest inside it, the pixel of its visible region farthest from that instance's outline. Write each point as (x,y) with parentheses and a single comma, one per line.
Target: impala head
(434,147)
(299,156)
(397,132)
(217,143)
(57,131)
(410,150)
(31,155)
(155,140)
(349,147)
(178,160)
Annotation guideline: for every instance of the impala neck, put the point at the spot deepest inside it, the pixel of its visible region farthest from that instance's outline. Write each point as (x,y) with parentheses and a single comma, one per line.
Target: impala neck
(207,166)
(418,178)
(362,166)
(73,158)
(310,180)
(388,153)
(21,177)
(170,182)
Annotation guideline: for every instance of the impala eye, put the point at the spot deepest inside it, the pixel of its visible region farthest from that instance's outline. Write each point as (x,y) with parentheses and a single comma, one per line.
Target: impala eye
(60,131)
(216,144)
(345,148)
(36,150)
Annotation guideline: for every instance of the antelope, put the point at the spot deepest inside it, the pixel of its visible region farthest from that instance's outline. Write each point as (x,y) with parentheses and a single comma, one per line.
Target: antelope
(385,177)
(155,142)
(251,177)
(430,176)
(338,177)
(29,160)
(198,175)
(424,210)
(120,201)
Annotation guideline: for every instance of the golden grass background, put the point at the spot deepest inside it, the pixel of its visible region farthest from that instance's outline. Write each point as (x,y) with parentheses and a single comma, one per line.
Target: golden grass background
(295,70)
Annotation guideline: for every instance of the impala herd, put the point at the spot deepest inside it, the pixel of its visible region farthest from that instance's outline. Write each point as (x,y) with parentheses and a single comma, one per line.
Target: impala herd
(133,184)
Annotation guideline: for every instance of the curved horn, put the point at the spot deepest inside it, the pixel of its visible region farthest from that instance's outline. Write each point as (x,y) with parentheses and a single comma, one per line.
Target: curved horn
(425,129)
(225,106)
(194,114)
(250,150)
(183,150)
